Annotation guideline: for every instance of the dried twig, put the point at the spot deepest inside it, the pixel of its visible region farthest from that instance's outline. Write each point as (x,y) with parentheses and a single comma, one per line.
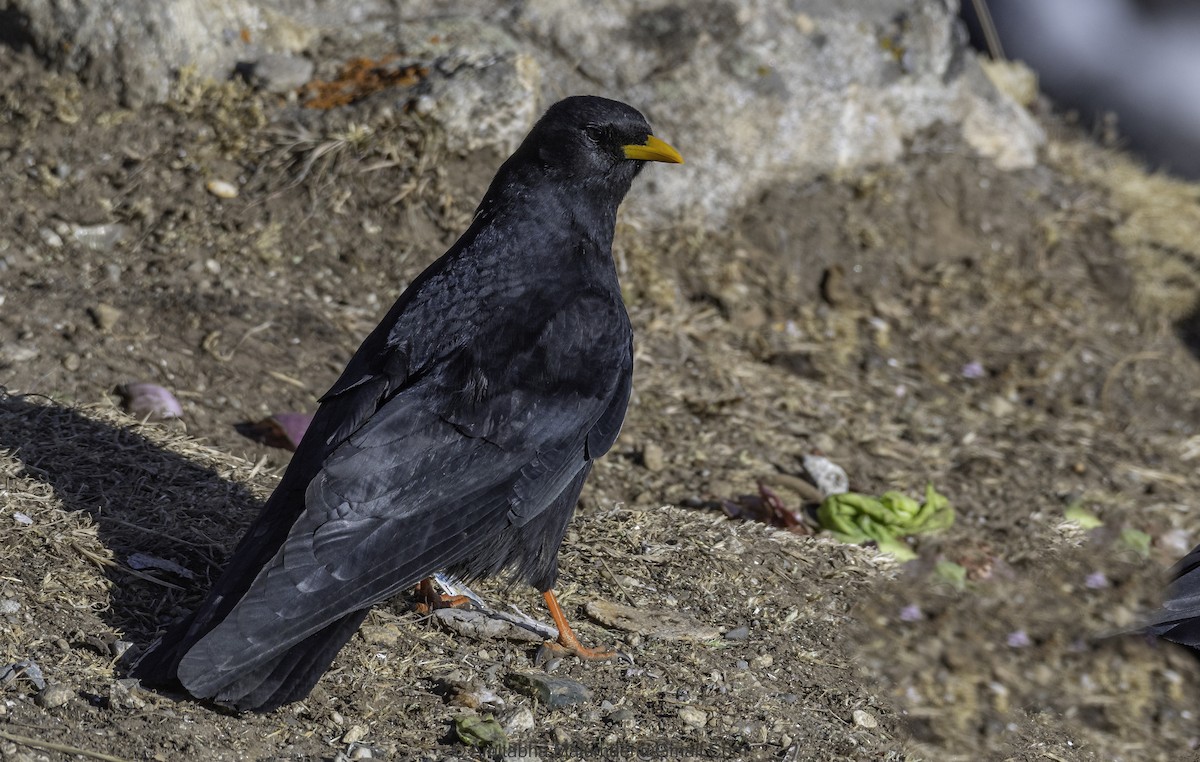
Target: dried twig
(37,743)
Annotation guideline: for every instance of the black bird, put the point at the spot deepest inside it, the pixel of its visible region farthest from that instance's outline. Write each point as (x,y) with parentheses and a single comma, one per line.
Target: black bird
(1179,619)
(460,434)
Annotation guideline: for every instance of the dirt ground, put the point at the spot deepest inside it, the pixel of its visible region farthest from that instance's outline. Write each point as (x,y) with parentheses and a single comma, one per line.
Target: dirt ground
(1021,340)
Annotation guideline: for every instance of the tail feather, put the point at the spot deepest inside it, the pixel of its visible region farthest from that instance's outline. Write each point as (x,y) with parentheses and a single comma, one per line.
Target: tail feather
(160,664)
(292,675)
(1179,618)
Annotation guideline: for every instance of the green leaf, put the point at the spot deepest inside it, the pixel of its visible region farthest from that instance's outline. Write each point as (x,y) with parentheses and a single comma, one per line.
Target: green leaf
(1077,514)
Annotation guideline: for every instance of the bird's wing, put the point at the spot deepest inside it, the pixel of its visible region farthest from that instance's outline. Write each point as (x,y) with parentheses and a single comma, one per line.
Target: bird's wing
(490,437)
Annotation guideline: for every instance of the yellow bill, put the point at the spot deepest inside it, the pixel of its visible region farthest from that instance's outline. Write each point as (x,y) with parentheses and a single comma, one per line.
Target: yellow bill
(653,150)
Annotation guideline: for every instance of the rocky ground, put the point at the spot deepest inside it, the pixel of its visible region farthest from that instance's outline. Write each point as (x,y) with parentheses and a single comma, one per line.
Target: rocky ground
(1021,339)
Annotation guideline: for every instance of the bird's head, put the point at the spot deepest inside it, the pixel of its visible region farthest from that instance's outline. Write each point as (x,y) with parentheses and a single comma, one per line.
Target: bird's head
(593,141)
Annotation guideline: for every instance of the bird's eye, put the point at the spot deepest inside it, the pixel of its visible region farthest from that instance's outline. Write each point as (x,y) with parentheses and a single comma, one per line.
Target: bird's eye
(594,132)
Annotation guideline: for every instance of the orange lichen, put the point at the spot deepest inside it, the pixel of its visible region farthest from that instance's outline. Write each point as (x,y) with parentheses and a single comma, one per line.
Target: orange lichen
(359,78)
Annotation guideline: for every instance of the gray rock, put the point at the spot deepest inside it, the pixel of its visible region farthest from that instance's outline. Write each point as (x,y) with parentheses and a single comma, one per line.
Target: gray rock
(755,93)
(100,237)
(54,695)
(551,692)
(520,721)
(477,624)
(136,47)
(738,633)
(278,72)
(105,316)
(652,457)
(864,719)
(483,84)
(693,717)
(123,694)
(651,622)
(27,669)
(18,353)
(50,238)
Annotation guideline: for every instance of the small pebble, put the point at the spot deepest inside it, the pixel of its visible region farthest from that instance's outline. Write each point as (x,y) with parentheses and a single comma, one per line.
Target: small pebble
(864,719)
(426,105)
(124,694)
(762,661)
(652,457)
(362,752)
(9,606)
(105,316)
(1177,541)
(27,669)
(100,237)
(50,238)
(621,716)
(1096,581)
(279,72)
(552,692)
(519,721)
(221,189)
(72,362)
(355,734)
(829,477)
(738,633)
(386,635)
(693,717)
(911,613)
(54,695)
(1018,639)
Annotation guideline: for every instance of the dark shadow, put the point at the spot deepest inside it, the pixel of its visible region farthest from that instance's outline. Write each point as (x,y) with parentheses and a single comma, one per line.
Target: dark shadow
(14,29)
(142,499)
(1188,331)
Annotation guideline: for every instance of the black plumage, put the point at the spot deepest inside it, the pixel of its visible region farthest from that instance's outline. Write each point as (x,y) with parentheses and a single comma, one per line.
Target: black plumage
(460,434)
(1179,618)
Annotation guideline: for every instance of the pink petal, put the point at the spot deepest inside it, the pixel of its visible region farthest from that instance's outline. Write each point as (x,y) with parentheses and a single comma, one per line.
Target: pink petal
(151,400)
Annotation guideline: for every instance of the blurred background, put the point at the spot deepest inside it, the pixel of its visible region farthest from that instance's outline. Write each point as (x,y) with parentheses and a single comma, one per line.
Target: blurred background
(1129,68)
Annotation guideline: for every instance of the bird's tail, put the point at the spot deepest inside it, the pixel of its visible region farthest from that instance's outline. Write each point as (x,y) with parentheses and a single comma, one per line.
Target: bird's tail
(159,665)
(291,675)
(288,677)
(1179,618)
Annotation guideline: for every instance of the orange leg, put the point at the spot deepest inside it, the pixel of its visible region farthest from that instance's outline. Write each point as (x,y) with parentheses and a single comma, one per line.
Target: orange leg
(430,599)
(567,642)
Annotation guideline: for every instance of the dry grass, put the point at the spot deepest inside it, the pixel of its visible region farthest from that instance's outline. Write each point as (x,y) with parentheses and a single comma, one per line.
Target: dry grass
(99,486)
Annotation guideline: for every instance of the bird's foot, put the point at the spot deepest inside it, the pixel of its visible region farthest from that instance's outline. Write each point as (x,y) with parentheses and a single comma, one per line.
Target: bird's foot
(429,600)
(568,644)
(553,649)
